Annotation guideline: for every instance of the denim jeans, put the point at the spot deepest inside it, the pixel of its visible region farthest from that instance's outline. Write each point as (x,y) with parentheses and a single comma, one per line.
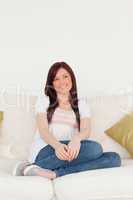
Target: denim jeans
(91,156)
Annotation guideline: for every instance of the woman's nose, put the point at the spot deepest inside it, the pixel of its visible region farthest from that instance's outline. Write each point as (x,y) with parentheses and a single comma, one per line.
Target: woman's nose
(62,82)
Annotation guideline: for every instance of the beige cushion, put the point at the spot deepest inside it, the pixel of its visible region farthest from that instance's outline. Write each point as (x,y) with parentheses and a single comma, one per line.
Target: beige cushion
(122,132)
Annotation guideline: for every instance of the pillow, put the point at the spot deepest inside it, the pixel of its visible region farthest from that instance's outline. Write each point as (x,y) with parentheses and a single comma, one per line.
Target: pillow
(1,117)
(122,132)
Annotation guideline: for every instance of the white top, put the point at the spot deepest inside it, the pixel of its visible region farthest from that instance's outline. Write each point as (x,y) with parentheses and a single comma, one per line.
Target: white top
(62,126)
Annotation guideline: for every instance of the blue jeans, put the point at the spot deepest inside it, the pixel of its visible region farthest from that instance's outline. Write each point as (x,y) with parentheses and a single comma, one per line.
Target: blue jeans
(90,157)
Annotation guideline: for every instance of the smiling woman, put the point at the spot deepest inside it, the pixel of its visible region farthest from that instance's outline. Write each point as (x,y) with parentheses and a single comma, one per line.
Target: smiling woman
(62,82)
(61,144)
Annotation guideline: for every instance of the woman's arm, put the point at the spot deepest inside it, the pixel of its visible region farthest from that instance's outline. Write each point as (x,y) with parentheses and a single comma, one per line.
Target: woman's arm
(60,149)
(74,144)
(42,125)
(85,128)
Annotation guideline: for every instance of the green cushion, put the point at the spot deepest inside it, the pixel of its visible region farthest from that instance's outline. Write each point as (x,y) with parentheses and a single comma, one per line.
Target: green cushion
(1,116)
(122,132)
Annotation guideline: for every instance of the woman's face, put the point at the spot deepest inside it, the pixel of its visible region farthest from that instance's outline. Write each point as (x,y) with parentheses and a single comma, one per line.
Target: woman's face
(62,82)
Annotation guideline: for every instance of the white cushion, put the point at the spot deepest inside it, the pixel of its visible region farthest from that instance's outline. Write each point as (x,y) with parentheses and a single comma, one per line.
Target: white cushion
(18,127)
(22,187)
(105,184)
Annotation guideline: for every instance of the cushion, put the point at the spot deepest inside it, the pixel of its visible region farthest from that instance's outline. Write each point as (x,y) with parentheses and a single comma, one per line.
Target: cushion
(1,119)
(122,132)
(18,126)
(102,184)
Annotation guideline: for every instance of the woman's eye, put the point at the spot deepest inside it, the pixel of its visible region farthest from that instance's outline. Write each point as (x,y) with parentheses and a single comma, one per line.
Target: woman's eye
(55,79)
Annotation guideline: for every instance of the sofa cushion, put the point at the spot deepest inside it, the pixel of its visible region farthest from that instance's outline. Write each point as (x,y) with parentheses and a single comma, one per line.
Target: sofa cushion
(105,184)
(122,132)
(1,116)
(1,119)
(22,187)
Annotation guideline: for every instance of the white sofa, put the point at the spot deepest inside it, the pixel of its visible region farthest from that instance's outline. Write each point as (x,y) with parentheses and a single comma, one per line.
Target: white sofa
(16,135)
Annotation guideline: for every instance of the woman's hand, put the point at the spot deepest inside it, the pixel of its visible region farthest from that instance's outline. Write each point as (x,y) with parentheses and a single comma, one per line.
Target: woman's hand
(61,151)
(74,147)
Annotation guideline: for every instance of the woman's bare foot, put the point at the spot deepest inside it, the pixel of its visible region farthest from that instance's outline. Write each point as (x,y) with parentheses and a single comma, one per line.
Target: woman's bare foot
(35,170)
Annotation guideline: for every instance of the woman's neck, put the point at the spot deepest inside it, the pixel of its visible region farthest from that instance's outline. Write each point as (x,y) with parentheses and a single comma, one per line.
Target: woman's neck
(63,100)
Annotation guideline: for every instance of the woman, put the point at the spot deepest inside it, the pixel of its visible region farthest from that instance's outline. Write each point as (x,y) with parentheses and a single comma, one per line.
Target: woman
(61,145)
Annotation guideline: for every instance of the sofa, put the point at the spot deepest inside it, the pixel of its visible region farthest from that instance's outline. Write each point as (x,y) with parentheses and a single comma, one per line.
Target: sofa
(17,131)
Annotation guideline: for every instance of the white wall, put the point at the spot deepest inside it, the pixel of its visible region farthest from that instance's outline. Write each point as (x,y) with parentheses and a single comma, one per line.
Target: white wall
(94,36)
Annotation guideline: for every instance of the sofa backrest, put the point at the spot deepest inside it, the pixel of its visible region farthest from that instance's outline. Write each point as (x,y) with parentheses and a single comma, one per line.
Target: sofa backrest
(18,127)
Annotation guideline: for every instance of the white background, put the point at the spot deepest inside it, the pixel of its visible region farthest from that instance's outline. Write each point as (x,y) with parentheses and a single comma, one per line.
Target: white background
(95,37)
